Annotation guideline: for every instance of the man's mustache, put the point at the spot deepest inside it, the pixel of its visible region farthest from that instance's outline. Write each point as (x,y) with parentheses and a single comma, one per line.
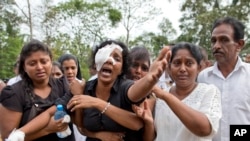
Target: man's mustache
(217,51)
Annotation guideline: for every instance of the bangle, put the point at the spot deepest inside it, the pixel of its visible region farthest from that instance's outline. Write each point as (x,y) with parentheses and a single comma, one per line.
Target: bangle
(105,109)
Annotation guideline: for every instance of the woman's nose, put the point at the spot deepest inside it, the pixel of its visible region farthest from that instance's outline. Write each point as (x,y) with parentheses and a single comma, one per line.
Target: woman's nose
(110,61)
(39,66)
(138,70)
(183,68)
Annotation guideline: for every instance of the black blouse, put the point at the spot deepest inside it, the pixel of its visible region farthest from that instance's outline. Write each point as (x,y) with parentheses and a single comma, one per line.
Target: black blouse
(16,98)
(95,121)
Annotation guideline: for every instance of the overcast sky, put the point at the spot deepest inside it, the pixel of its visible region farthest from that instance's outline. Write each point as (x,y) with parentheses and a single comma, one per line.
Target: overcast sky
(171,10)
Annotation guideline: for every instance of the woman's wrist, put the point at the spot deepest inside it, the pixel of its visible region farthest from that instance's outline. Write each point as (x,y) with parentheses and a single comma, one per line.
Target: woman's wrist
(151,78)
(96,135)
(149,121)
(101,105)
(106,108)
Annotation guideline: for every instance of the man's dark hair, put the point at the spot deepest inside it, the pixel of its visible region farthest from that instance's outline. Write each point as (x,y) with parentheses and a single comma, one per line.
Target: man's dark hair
(237,26)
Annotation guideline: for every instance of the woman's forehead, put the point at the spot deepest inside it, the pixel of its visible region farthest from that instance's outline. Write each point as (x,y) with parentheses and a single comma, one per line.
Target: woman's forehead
(37,55)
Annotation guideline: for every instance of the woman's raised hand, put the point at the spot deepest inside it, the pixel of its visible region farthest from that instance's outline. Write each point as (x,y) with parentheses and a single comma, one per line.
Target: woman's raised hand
(160,63)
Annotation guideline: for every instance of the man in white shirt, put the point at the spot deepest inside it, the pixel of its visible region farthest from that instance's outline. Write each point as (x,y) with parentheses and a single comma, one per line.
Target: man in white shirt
(17,78)
(230,74)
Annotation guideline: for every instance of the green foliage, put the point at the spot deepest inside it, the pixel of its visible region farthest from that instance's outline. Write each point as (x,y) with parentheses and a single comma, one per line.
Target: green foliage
(115,16)
(151,41)
(84,23)
(89,19)
(134,14)
(155,41)
(167,31)
(166,28)
(199,16)
(11,40)
(75,47)
(10,49)
(76,25)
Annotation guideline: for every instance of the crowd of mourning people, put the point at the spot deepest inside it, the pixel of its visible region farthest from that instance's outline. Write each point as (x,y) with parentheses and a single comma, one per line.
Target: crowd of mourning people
(179,96)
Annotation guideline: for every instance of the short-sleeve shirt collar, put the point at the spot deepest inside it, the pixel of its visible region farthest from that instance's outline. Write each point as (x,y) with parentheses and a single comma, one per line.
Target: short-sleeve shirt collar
(239,65)
(93,83)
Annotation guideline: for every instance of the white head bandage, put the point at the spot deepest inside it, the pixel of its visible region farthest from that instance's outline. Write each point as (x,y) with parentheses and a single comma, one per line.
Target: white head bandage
(103,55)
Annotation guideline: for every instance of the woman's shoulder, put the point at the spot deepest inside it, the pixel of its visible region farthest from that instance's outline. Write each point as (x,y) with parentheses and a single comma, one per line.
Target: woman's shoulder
(6,92)
(124,81)
(208,88)
(13,96)
(122,84)
(58,82)
(10,90)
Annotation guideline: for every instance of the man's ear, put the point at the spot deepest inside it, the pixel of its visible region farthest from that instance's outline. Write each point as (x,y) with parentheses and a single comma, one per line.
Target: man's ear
(241,44)
(208,63)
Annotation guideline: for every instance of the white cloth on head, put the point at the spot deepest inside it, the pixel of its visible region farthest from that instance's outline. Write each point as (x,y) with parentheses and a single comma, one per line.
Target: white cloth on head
(235,95)
(204,98)
(103,54)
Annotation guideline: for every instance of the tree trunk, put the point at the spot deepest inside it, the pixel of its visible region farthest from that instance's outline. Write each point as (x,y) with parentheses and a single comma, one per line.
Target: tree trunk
(30,20)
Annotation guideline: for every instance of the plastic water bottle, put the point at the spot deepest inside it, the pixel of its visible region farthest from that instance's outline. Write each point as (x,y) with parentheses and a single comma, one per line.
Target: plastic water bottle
(60,113)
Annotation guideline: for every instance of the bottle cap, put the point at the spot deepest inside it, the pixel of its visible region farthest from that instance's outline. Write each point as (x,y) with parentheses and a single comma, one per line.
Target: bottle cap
(59,107)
